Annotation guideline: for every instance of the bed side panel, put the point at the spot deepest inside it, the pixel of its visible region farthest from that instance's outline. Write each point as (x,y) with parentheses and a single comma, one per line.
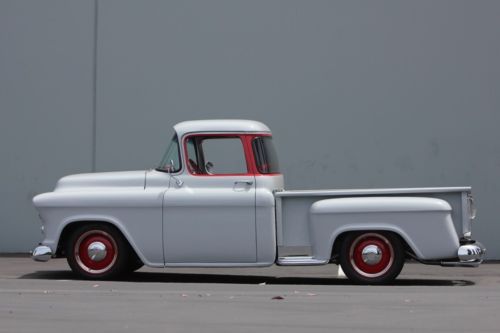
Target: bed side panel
(424,223)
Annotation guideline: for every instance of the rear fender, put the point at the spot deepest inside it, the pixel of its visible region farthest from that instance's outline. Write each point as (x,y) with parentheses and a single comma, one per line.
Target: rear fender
(425,224)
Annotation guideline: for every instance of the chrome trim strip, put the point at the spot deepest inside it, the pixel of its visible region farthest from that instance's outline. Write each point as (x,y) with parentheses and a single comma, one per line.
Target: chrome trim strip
(355,192)
(300,261)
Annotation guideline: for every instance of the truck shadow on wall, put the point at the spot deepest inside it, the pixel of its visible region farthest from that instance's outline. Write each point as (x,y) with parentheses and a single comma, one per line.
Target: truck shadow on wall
(148,277)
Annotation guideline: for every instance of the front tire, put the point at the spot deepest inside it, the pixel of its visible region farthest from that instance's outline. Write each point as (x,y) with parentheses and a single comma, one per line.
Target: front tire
(372,257)
(97,251)
(134,265)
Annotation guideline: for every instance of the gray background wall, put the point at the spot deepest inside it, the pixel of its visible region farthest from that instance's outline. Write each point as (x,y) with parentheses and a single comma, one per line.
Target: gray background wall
(357,93)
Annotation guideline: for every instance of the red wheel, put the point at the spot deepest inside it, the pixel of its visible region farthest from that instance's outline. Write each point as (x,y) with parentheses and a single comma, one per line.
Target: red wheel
(372,257)
(95,251)
(98,252)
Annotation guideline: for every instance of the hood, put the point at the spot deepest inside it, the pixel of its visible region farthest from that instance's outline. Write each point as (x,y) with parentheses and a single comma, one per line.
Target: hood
(111,180)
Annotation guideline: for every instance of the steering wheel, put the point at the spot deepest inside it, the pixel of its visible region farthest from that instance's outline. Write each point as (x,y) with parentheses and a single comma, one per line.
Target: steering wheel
(193,167)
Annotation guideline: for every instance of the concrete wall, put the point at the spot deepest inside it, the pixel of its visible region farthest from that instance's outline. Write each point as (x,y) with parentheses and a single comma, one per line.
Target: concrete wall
(357,93)
(46,98)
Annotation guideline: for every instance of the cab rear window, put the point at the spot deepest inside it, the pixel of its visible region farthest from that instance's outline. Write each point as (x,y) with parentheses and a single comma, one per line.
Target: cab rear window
(266,158)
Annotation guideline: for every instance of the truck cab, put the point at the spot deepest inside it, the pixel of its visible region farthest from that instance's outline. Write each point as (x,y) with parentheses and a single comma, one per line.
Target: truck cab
(219,206)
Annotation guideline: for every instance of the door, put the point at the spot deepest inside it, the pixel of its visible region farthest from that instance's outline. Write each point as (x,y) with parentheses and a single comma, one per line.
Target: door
(210,218)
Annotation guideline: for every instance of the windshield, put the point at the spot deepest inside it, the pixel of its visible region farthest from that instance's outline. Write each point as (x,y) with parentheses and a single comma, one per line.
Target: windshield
(172,157)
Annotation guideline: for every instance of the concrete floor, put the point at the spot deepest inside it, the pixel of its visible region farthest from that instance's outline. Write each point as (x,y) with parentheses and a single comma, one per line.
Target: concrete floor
(46,297)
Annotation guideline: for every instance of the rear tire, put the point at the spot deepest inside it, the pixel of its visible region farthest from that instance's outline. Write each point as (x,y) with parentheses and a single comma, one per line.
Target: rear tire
(98,251)
(372,257)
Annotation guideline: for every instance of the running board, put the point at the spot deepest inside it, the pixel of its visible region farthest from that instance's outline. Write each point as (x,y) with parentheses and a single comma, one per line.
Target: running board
(300,261)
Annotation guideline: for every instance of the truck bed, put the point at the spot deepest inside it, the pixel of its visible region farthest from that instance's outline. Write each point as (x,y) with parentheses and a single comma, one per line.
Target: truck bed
(292,211)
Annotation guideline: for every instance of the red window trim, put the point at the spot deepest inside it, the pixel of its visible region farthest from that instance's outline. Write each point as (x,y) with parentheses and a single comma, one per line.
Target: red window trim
(246,140)
(243,139)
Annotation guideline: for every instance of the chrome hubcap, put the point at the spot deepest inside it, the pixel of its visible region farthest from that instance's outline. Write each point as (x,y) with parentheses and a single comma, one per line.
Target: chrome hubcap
(97,251)
(371,254)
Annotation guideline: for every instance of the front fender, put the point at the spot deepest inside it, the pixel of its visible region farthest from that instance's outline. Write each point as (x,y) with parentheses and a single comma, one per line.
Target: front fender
(103,219)
(425,224)
(136,213)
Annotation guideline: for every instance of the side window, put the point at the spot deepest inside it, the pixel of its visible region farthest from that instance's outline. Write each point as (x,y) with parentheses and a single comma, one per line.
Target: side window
(212,155)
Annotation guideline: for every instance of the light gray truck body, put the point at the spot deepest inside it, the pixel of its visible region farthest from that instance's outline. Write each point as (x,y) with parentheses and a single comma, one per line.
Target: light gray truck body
(218,199)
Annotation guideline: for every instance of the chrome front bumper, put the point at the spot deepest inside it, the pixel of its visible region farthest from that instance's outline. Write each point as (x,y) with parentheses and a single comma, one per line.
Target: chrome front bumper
(41,253)
(469,255)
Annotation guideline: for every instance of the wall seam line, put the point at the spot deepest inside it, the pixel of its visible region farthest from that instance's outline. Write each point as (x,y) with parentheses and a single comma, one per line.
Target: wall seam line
(94,99)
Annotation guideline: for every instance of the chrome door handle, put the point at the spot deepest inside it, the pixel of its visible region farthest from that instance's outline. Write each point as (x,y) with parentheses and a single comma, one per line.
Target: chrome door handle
(246,182)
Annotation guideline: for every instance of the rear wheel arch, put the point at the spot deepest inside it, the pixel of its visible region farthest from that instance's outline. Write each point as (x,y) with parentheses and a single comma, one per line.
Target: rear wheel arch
(337,241)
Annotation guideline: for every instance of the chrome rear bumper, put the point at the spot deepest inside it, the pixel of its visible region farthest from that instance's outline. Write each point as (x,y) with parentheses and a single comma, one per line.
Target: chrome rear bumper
(41,253)
(469,255)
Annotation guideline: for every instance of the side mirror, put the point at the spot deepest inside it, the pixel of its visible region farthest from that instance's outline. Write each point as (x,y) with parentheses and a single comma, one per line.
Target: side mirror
(170,167)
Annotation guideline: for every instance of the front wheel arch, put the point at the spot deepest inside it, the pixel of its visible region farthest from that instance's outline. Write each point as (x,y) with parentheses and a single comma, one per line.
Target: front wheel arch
(71,226)
(135,261)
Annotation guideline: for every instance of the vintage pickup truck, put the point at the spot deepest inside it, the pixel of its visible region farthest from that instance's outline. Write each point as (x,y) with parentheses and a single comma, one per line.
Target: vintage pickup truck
(217,200)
